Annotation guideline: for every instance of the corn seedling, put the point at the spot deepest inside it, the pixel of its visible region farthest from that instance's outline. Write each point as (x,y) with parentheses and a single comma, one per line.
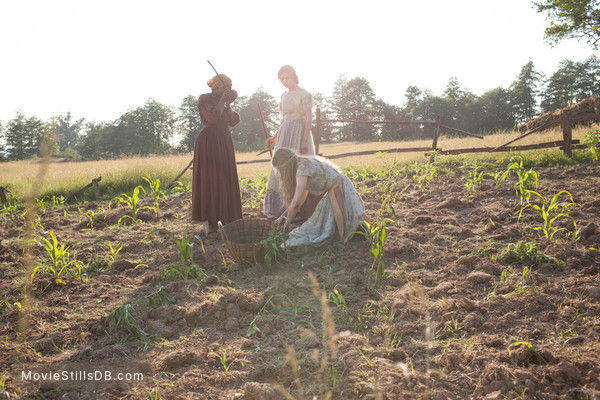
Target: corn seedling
(474,179)
(376,234)
(114,251)
(274,245)
(425,172)
(186,268)
(337,298)
(498,177)
(133,203)
(526,180)
(60,264)
(527,252)
(125,327)
(179,186)
(592,140)
(154,185)
(91,217)
(549,210)
(223,359)
(11,203)
(530,347)
(257,189)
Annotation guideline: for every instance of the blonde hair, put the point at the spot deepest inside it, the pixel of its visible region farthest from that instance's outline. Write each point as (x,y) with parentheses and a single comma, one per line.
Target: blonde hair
(286,162)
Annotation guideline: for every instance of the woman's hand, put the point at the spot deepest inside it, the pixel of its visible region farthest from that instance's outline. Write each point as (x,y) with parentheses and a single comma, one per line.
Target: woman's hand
(270,142)
(229,96)
(303,148)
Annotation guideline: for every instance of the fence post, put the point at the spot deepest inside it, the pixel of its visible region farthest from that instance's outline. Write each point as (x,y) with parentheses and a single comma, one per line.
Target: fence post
(436,134)
(567,137)
(318,131)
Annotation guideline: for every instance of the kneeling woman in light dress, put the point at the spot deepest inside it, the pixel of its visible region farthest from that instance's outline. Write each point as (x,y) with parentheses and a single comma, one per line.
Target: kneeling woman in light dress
(338,213)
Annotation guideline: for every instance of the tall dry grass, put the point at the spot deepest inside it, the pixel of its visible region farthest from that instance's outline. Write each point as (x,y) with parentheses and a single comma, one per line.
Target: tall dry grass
(65,177)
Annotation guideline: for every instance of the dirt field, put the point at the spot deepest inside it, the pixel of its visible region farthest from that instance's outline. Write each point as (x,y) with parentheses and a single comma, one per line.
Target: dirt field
(457,316)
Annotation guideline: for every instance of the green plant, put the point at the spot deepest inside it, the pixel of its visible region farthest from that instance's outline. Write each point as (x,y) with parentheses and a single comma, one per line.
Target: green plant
(274,245)
(179,186)
(114,251)
(475,178)
(337,298)
(186,268)
(223,359)
(592,140)
(125,327)
(530,347)
(154,185)
(133,203)
(91,217)
(60,263)
(11,205)
(425,172)
(549,210)
(159,298)
(498,177)
(376,234)
(257,189)
(527,252)
(526,180)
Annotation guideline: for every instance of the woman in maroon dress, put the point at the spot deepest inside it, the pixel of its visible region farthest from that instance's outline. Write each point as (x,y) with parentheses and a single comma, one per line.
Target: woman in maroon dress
(215,186)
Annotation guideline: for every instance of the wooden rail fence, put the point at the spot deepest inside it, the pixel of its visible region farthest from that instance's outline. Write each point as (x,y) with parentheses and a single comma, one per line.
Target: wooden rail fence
(567,121)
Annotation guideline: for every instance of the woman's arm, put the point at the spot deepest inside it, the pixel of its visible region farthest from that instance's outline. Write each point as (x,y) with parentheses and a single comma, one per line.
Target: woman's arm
(299,197)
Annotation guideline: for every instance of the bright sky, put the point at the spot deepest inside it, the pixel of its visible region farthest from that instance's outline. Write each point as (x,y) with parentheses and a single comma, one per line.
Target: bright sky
(99,58)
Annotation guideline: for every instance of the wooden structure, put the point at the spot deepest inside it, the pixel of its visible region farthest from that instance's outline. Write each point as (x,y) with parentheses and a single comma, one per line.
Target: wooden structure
(584,112)
(93,183)
(3,198)
(437,123)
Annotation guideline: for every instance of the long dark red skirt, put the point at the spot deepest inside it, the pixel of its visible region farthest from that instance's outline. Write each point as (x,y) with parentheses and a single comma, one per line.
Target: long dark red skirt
(215,186)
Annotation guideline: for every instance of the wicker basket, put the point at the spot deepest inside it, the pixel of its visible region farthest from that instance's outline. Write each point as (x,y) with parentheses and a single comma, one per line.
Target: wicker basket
(242,238)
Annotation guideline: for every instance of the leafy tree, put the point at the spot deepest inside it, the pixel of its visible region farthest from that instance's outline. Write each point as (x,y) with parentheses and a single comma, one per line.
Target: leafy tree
(355,100)
(148,129)
(324,105)
(390,113)
(188,123)
(496,110)
(67,133)
(572,82)
(524,91)
(579,19)
(102,141)
(23,136)
(560,91)
(249,133)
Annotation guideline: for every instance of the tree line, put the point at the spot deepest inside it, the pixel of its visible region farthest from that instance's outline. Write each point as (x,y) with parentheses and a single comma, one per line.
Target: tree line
(155,128)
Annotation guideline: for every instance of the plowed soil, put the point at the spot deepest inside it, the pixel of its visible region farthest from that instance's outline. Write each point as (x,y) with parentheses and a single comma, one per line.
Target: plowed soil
(455,317)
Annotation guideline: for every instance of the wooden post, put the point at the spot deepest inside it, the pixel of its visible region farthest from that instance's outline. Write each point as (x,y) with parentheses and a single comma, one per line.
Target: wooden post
(96,188)
(318,131)
(436,134)
(568,137)
(3,198)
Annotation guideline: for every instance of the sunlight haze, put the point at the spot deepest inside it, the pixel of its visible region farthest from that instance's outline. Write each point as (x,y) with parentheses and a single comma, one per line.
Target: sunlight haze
(98,59)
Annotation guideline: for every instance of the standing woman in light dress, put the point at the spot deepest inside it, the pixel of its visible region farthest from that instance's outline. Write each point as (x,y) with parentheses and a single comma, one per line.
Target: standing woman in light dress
(294,133)
(340,210)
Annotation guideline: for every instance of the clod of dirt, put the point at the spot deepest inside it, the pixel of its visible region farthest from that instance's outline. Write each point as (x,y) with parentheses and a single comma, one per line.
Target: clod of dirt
(261,391)
(593,292)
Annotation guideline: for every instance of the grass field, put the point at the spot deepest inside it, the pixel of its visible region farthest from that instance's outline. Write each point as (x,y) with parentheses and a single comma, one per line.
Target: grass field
(57,177)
